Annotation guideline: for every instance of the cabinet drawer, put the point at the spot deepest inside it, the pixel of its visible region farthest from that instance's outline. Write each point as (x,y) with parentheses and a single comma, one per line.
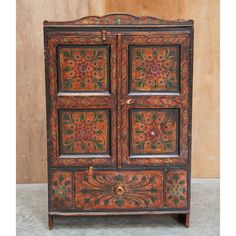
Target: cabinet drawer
(119,190)
(107,190)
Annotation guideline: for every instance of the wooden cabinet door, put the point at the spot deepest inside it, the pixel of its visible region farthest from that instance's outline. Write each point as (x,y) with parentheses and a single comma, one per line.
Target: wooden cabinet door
(155,98)
(81,98)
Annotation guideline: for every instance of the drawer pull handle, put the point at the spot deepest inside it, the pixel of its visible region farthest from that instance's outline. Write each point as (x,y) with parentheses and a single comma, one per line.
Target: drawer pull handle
(119,190)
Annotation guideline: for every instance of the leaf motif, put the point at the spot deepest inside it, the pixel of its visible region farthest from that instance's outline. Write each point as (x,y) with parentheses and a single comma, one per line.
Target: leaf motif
(67,182)
(152,179)
(139,68)
(153,190)
(176,201)
(175,177)
(98,132)
(134,178)
(147,201)
(86,200)
(84,190)
(118,177)
(68,83)
(98,117)
(68,131)
(138,132)
(139,117)
(140,83)
(138,54)
(82,52)
(144,178)
(96,202)
(106,202)
(61,178)
(68,119)
(140,145)
(119,202)
(82,117)
(67,69)
(67,53)
(153,199)
(154,53)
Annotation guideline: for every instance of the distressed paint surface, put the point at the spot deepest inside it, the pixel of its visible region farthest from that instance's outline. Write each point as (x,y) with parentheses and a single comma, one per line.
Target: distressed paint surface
(99,191)
(84,132)
(84,69)
(154,131)
(154,68)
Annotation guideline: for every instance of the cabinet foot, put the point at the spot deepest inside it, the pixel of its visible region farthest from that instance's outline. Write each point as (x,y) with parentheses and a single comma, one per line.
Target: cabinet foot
(50,222)
(184,219)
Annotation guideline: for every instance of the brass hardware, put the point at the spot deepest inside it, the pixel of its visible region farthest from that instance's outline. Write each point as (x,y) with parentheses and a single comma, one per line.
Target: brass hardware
(130,101)
(119,190)
(90,170)
(103,35)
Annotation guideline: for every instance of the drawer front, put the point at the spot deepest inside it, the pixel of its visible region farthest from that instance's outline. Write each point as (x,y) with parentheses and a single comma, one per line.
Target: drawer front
(117,190)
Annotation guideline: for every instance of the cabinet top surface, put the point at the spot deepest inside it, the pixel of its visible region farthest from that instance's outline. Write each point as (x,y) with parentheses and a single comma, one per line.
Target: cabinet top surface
(119,20)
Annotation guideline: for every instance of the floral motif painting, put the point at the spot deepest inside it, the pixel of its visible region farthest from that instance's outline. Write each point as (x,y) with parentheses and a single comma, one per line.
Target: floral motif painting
(154,68)
(84,69)
(61,189)
(84,132)
(154,131)
(176,189)
(110,190)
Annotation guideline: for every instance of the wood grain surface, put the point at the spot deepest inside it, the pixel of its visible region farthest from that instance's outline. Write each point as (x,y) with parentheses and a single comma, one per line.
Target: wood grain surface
(31,111)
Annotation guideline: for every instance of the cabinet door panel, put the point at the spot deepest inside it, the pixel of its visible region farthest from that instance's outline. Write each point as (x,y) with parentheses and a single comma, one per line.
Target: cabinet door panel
(154,68)
(153,132)
(84,68)
(155,104)
(85,132)
(81,99)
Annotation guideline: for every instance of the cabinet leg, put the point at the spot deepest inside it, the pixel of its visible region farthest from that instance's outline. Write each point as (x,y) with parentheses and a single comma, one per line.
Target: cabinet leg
(50,221)
(184,219)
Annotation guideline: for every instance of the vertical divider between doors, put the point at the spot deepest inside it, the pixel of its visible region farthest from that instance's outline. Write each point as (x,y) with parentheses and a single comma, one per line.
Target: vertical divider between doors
(118,68)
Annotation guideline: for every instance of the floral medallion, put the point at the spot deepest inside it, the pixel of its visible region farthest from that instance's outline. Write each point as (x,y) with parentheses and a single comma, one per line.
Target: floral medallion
(61,190)
(176,189)
(154,131)
(84,132)
(154,68)
(84,69)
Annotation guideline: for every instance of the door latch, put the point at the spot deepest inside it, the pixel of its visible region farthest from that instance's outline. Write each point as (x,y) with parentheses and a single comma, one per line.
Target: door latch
(90,170)
(103,35)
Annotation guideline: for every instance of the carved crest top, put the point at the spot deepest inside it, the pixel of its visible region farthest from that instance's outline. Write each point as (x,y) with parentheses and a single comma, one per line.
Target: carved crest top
(118,19)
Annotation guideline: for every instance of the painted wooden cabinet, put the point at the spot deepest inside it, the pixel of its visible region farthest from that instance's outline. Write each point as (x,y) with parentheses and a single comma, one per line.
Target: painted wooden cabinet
(119,91)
